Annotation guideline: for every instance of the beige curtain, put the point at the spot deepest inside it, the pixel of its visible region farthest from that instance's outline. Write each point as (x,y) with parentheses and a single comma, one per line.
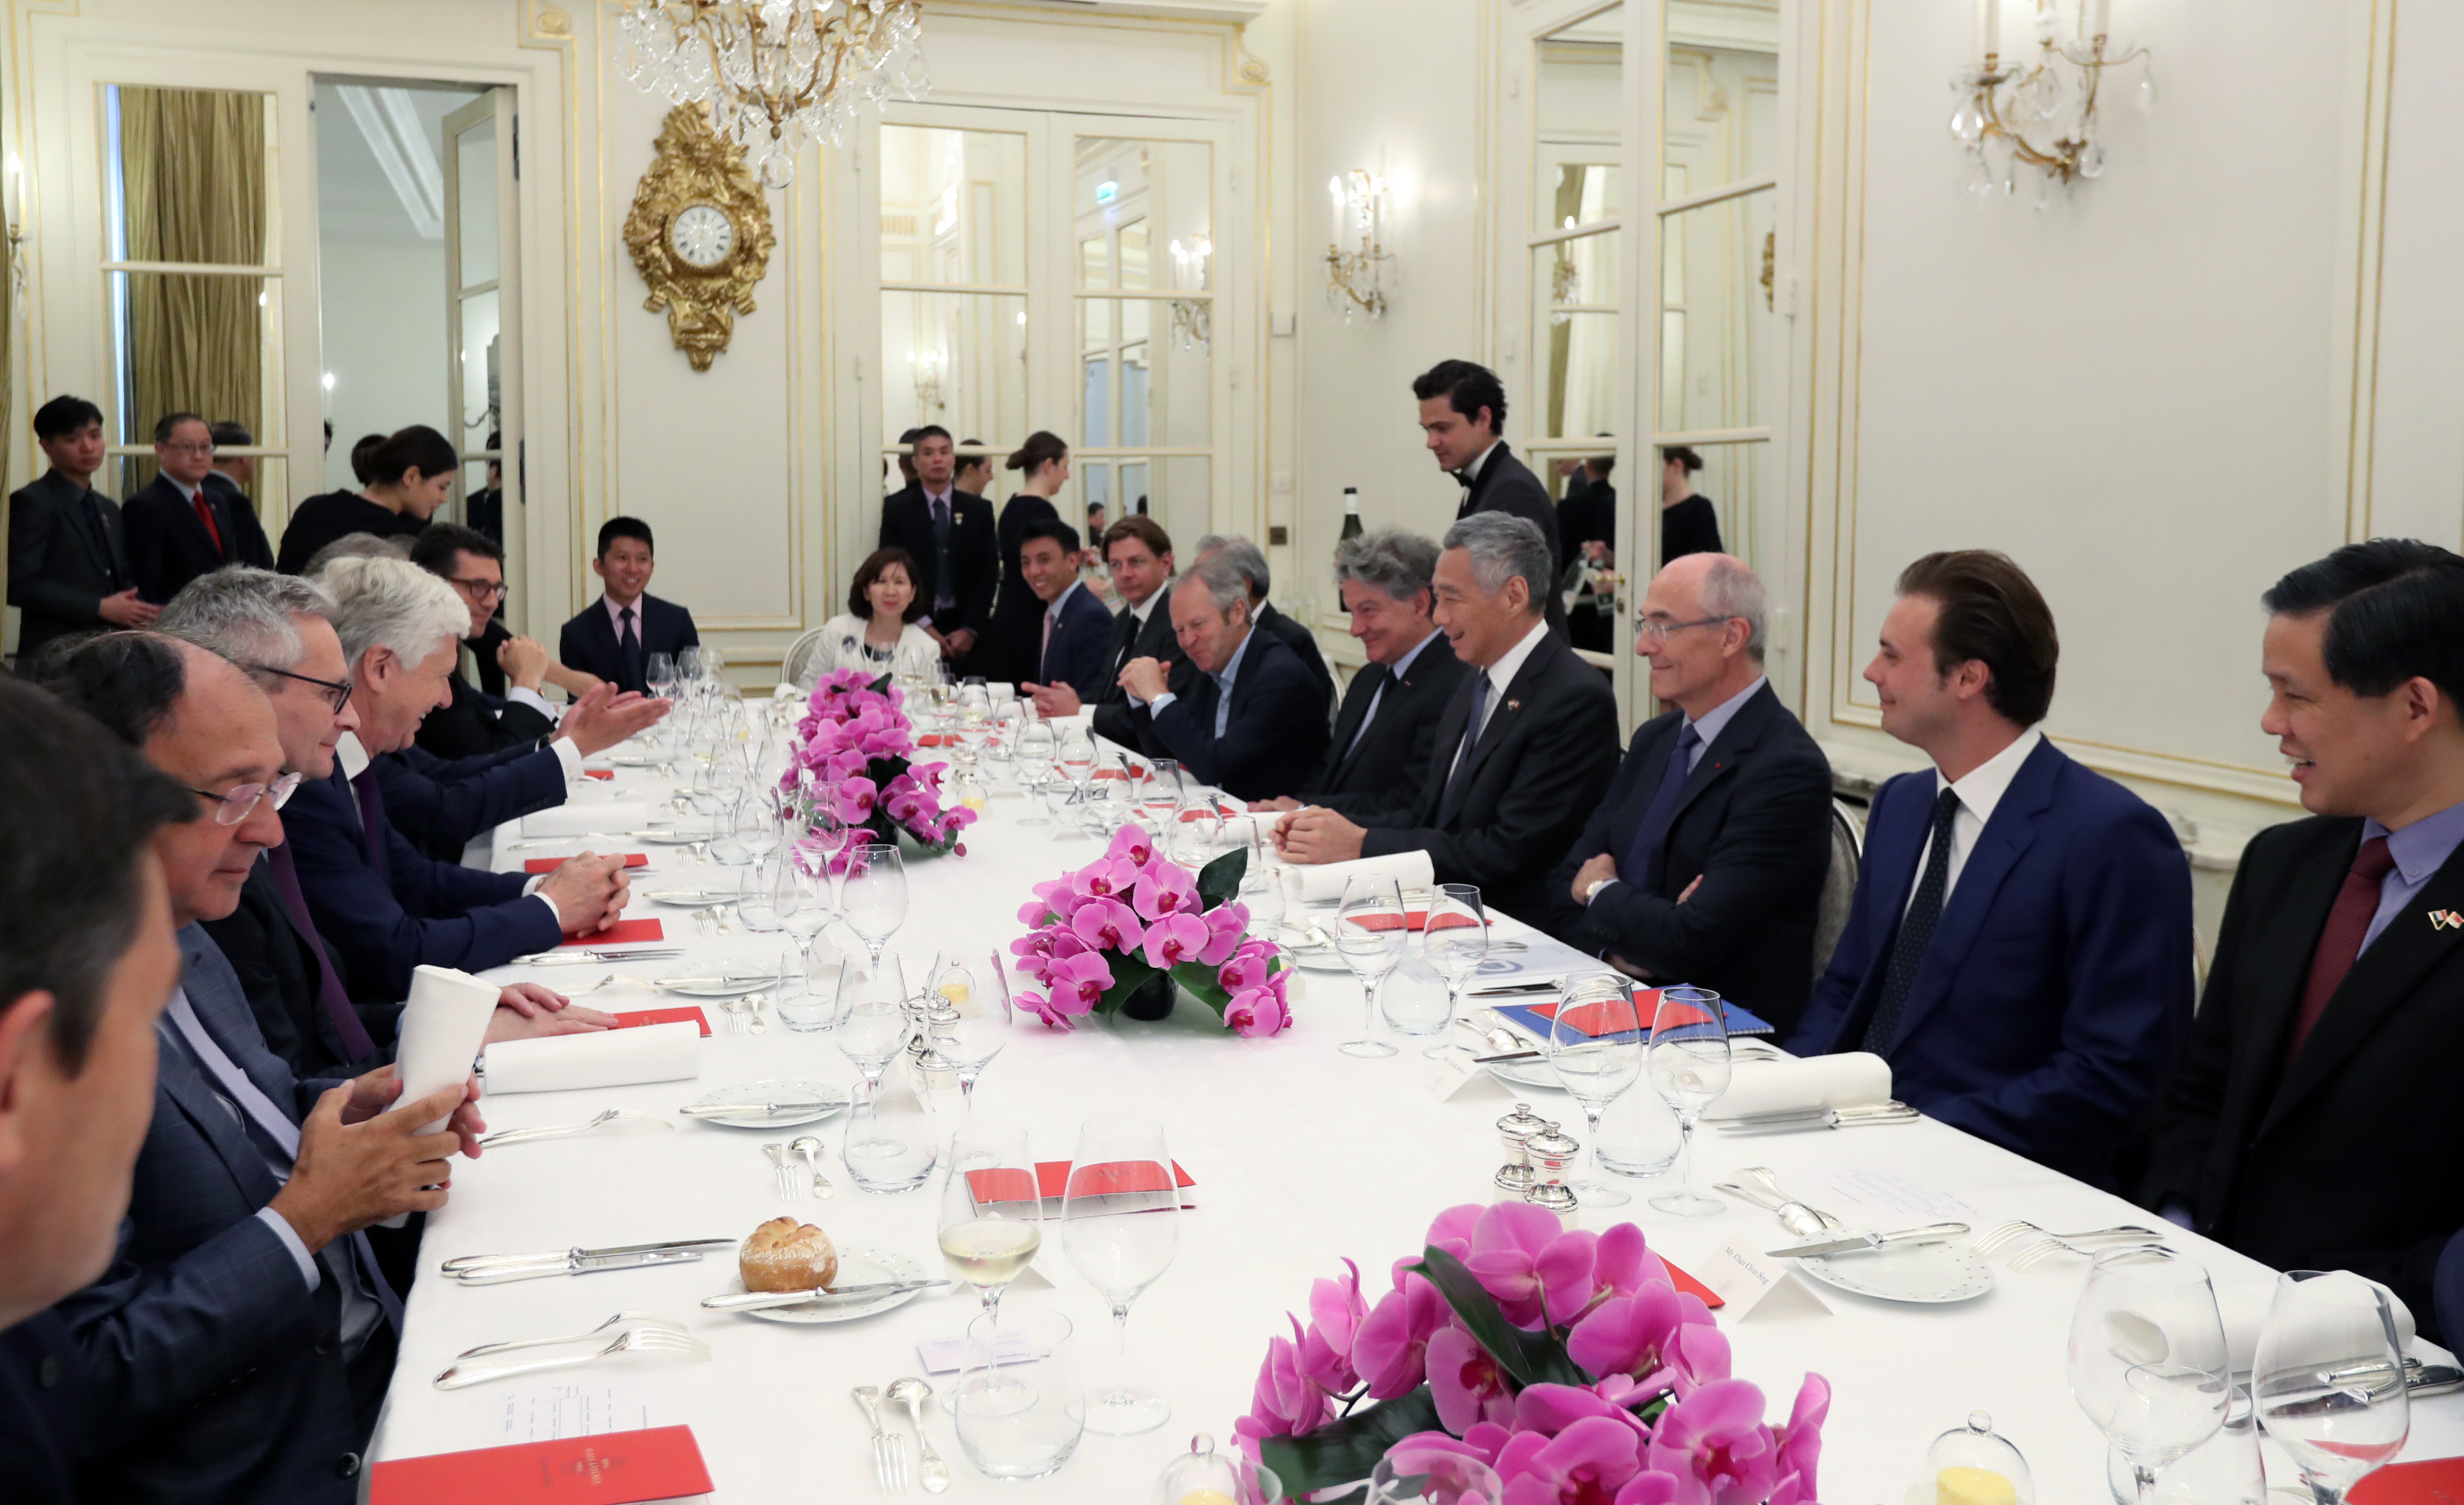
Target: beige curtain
(1561,336)
(192,174)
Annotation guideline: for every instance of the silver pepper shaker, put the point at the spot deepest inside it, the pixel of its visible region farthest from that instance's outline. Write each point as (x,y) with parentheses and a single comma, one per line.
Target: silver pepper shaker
(1514,1179)
(1552,1152)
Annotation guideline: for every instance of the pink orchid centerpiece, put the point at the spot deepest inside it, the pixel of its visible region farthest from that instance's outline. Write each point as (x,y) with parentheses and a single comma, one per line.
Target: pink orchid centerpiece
(1567,1361)
(1117,935)
(850,775)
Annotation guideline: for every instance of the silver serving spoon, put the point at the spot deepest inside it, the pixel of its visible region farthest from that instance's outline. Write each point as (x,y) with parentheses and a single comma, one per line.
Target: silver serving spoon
(913,1393)
(753,1003)
(810,1149)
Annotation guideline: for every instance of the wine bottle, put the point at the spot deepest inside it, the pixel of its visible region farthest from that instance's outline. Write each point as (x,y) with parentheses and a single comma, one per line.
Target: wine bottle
(1351,512)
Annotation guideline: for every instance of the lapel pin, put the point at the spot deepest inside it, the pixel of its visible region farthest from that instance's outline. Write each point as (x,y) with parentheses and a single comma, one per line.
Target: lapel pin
(2446,919)
(1514,705)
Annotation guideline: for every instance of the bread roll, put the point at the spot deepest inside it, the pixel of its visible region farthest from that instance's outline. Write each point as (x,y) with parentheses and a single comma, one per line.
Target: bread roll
(780,1255)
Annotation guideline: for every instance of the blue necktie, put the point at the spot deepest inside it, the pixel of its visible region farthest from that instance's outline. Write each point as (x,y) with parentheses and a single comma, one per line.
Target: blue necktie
(1916,931)
(1643,854)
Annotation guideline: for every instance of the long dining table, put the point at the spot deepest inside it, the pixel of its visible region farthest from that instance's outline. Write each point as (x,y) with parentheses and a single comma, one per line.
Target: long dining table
(1301,1158)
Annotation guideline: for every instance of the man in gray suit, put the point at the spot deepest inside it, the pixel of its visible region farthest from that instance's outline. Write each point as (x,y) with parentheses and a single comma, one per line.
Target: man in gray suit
(243,1332)
(68,558)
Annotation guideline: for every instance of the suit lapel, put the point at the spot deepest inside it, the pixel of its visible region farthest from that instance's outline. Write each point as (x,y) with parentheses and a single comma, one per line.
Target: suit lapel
(1734,742)
(1450,732)
(1355,709)
(1503,716)
(185,1084)
(2269,987)
(85,514)
(1999,847)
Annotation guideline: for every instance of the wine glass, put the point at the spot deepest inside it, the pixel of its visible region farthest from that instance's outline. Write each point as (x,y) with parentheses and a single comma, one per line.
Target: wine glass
(1076,754)
(1161,801)
(992,1211)
(1454,940)
(1596,1045)
(757,901)
(972,1024)
(1120,1224)
(800,895)
(2328,1379)
(1690,1069)
(874,894)
(872,1023)
(659,674)
(1368,935)
(1035,746)
(1262,890)
(2147,1358)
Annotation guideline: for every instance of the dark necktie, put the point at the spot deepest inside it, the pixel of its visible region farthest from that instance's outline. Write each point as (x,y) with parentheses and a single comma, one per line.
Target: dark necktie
(628,653)
(363,790)
(1916,930)
(204,511)
(2340,943)
(1643,855)
(356,1044)
(101,526)
(945,591)
(1380,677)
(1460,780)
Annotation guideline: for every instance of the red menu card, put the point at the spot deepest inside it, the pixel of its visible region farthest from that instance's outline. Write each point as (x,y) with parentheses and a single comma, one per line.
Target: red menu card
(1695,1288)
(635,1468)
(1599,1019)
(623,933)
(1138,1179)
(1413,920)
(633,859)
(2432,1481)
(664,1016)
(599,773)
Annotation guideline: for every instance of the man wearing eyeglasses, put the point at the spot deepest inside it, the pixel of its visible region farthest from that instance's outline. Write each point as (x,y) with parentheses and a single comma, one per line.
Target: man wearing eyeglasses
(178,527)
(506,707)
(243,1332)
(1706,863)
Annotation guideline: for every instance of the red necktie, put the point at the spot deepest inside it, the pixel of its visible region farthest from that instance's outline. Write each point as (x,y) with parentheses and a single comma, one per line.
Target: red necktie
(2339,944)
(205,515)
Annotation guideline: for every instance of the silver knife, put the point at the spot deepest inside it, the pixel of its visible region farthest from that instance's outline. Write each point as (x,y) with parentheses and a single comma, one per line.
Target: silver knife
(463,1262)
(575,1265)
(583,957)
(720,980)
(1930,1233)
(1512,989)
(754,1300)
(746,1109)
(1824,1119)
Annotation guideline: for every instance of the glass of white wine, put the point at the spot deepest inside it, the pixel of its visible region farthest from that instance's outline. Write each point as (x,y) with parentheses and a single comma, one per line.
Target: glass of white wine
(992,1210)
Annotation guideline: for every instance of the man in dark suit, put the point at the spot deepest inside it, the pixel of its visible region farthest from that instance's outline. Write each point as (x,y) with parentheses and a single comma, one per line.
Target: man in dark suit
(1526,747)
(1075,627)
(242,1333)
(67,559)
(1250,719)
(1252,562)
(383,906)
(1463,412)
(511,713)
(1587,514)
(1706,863)
(1386,732)
(614,636)
(949,533)
(2314,1124)
(1139,552)
(178,527)
(2018,947)
(87,961)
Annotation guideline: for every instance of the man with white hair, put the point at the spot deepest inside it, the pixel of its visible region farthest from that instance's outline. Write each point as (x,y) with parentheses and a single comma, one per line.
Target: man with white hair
(1525,748)
(381,903)
(1706,863)
(1249,719)
(1250,560)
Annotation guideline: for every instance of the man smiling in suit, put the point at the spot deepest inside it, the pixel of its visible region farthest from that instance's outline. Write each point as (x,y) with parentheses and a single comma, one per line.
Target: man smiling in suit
(2315,1122)
(67,559)
(1139,552)
(1249,717)
(613,637)
(2018,947)
(1074,626)
(180,528)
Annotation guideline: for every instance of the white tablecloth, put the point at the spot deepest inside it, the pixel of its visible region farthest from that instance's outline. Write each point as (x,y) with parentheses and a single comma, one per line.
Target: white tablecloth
(1301,1156)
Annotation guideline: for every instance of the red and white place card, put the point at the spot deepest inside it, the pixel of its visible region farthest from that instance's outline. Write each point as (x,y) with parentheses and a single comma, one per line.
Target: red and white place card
(623,933)
(1135,1183)
(636,1468)
(633,859)
(640,1017)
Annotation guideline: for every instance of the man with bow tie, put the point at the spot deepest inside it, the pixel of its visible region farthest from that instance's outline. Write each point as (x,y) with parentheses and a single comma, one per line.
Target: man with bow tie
(1463,412)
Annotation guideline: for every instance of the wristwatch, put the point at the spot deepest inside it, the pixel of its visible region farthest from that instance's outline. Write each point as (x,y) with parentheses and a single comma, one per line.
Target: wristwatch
(1592,892)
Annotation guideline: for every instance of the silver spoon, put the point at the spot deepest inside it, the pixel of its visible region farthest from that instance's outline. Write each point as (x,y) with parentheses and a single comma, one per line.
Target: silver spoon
(809,1147)
(913,1393)
(753,1003)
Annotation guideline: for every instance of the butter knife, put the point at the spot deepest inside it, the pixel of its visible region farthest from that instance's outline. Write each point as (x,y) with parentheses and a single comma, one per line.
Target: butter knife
(734,1110)
(1855,1243)
(757,1300)
(465,1262)
(584,956)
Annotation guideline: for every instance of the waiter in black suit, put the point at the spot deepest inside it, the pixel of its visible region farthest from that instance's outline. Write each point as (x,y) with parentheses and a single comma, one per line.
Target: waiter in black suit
(1463,412)
(2314,1124)
(1526,745)
(178,528)
(1250,560)
(949,533)
(1705,864)
(68,558)
(1386,733)
(1139,552)
(614,636)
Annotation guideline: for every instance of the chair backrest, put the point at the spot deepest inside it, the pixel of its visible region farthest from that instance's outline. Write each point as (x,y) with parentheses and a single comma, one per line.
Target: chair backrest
(798,667)
(1838,885)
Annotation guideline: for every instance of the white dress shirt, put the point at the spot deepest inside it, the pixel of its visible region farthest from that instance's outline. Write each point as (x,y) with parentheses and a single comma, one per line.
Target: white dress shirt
(1979,790)
(1501,675)
(1378,697)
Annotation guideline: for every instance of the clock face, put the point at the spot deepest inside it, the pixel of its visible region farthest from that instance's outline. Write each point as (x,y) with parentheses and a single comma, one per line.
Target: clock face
(701,236)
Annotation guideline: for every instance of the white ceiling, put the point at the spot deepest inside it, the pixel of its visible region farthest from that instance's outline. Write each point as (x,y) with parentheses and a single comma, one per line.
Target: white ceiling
(362,188)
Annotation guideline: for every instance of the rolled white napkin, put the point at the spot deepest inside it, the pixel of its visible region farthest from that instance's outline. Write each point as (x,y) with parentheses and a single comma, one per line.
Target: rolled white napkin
(444,1026)
(610,817)
(1324,881)
(608,1058)
(1848,1080)
(2243,1304)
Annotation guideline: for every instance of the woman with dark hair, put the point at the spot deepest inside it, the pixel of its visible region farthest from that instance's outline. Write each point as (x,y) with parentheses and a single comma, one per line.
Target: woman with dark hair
(409,476)
(1015,639)
(1689,523)
(878,631)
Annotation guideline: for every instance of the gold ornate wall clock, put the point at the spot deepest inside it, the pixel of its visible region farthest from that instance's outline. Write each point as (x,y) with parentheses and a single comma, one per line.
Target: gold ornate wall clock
(700,235)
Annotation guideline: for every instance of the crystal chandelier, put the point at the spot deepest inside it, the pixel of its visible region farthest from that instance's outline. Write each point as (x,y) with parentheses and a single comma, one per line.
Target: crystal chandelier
(775,72)
(2041,115)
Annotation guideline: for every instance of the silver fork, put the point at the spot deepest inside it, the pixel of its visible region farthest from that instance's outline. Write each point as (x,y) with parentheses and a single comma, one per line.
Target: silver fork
(790,1188)
(614,978)
(2046,1247)
(2016,1228)
(633,1340)
(889,1448)
(619,1319)
(556,1131)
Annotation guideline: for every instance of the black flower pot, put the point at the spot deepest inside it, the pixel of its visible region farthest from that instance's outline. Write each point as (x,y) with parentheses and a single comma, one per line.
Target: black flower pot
(1150,999)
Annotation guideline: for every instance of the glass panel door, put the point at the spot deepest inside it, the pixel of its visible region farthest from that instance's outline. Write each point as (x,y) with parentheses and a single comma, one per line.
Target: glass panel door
(483,322)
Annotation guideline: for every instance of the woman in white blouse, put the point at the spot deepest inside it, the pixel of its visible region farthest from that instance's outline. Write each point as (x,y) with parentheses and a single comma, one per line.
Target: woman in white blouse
(878,629)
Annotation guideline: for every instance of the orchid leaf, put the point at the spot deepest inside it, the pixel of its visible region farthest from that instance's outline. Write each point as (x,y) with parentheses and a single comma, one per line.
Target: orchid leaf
(1128,975)
(1345,1453)
(1530,1357)
(1219,880)
(1201,982)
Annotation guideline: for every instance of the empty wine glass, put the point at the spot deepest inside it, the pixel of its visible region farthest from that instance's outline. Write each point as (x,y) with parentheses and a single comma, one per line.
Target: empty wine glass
(757,901)
(1596,1045)
(659,674)
(1035,751)
(1369,936)
(1120,1226)
(1162,796)
(2147,1359)
(2328,1379)
(1454,940)
(872,1025)
(874,894)
(1690,1069)
(971,1024)
(800,895)
(1076,754)
(992,1210)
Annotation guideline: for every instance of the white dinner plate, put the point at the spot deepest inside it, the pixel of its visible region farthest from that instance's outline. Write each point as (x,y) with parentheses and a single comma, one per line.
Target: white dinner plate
(833,1100)
(1526,1073)
(857,1267)
(1927,1273)
(740,980)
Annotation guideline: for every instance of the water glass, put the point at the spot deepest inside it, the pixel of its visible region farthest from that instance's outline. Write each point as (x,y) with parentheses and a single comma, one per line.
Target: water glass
(1120,1227)
(2147,1361)
(1689,1069)
(1455,941)
(1164,795)
(1076,754)
(2328,1379)
(1638,1136)
(1369,936)
(1019,1416)
(1596,1045)
(1415,1000)
(756,894)
(811,1009)
(892,1140)
(1262,890)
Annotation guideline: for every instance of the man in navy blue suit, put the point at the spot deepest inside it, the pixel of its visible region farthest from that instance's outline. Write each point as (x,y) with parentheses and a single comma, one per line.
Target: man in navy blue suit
(1075,626)
(2019,943)
(86,964)
(1251,720)
(178,527)
(614,636)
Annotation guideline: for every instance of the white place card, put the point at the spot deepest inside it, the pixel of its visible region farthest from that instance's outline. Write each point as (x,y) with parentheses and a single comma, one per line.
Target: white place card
(1452,1081)
(1756,1286)
(949,1355)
